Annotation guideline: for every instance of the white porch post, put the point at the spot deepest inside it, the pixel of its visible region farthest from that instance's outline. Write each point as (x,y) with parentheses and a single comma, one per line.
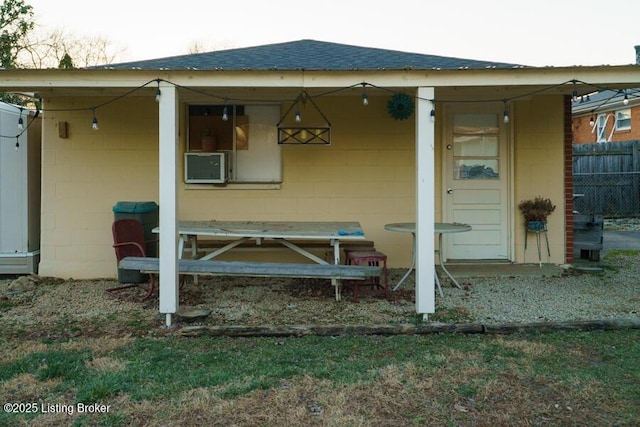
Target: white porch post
(168,140)
(425,203)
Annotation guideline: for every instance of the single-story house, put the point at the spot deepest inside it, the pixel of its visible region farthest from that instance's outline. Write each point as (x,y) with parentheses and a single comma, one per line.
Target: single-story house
(439,140)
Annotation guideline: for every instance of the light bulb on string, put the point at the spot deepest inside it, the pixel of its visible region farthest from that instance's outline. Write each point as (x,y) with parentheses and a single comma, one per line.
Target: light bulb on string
(298,117)
(365,98)
(225,111)
(505,114)
(158,93)
(592,121)
(20,121)
(94,122)
(625,101)
(17,143)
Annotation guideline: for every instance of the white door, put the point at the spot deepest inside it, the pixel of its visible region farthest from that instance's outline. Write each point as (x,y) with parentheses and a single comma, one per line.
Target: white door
(476,177)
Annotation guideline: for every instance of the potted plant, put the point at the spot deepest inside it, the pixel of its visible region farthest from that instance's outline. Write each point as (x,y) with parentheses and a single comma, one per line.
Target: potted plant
(536,211)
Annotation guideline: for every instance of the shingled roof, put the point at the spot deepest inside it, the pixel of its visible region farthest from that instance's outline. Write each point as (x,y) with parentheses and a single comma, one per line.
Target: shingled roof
(309,55)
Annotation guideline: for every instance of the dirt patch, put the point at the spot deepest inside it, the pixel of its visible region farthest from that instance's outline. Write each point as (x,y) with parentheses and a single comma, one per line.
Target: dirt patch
(54,308)
(26,388)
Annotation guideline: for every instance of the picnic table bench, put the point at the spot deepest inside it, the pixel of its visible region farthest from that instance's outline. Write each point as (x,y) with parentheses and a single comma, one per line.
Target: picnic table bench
(257,269)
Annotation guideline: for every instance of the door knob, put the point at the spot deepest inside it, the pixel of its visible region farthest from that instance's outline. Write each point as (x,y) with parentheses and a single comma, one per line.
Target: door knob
(449,190)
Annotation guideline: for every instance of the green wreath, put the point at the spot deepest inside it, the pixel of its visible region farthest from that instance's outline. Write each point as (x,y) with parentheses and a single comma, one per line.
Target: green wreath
(400,106)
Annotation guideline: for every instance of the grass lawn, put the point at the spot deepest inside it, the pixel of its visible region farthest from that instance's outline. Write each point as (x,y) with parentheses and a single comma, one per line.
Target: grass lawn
(555,378)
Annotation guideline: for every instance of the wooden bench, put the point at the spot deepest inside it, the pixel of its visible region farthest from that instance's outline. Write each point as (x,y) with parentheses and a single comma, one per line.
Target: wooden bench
(256,269)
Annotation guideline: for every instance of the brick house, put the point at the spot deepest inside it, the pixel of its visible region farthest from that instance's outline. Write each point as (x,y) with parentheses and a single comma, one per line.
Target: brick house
(607,115)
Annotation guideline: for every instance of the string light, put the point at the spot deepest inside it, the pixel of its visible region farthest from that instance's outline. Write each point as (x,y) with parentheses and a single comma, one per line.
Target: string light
(505,114)
(225,115)
(20,121)
(592,121)
(432,114)
(225,111)
(158,92)
(365,98)
(94,122)
(24,128)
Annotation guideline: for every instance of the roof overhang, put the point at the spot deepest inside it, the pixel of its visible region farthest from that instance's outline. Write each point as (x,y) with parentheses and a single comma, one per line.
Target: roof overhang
(108,82)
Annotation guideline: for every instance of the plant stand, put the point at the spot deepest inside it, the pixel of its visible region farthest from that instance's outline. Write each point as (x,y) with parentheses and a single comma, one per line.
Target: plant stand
(539,228)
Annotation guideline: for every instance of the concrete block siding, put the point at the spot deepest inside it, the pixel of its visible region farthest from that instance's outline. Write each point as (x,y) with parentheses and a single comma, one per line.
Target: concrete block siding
(367,174)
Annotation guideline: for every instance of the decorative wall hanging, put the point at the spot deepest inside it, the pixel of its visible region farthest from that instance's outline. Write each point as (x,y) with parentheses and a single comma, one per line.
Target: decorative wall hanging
(400,106)
(305,135)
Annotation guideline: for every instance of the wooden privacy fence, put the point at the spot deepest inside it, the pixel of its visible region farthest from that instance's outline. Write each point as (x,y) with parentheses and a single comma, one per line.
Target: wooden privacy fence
(608,175)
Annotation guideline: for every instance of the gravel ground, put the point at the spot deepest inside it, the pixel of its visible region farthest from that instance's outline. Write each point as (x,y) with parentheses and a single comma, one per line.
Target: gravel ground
(606,296)
(33,305)
(622,224)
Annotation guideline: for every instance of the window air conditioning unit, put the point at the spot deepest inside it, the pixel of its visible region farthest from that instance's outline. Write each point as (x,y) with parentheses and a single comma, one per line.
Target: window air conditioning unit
(207,168)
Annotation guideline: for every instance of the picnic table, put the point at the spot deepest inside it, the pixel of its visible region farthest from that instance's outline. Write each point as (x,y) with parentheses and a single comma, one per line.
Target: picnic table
(237,233)
(287,234)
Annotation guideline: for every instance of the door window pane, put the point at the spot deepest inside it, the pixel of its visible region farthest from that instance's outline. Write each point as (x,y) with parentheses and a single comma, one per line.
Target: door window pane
(476,146)
(475,124)
(476,169)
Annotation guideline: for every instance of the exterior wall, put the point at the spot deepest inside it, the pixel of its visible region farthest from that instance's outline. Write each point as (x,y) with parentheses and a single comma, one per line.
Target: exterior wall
(366,175)
(85,174)
(582,129)
(538,129)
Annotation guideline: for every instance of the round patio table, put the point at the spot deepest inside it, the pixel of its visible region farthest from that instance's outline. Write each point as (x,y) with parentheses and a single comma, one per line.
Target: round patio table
(440,228)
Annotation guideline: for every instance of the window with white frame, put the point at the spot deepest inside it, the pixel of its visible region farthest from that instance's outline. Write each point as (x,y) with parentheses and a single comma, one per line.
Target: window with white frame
(247,132)
(601,128)
(623,119)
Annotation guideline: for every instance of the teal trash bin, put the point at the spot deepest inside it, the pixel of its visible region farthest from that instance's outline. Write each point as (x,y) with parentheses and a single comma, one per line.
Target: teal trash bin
(147,213)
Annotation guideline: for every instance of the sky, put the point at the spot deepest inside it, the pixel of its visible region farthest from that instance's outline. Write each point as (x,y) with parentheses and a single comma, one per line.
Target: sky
(526,32)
